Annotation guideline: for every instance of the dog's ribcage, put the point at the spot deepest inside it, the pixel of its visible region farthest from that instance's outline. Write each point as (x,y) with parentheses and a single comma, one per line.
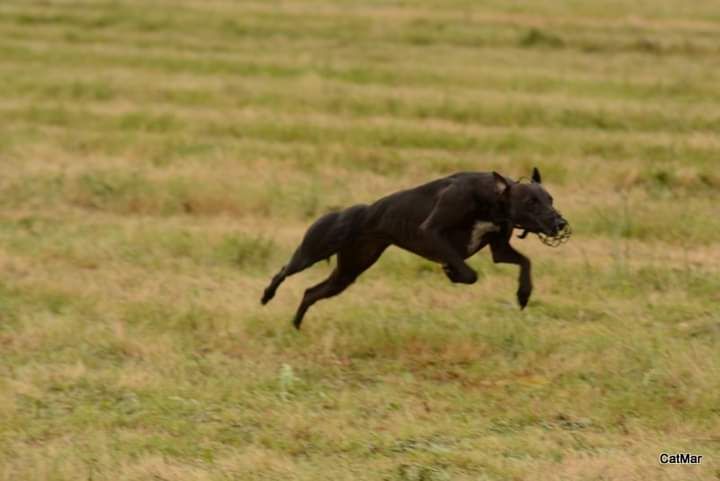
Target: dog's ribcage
(479,230)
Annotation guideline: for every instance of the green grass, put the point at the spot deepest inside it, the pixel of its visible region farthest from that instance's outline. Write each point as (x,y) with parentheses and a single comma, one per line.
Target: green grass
(159,161)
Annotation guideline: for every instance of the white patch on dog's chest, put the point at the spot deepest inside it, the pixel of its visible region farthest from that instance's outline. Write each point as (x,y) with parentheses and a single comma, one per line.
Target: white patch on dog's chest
(479,230)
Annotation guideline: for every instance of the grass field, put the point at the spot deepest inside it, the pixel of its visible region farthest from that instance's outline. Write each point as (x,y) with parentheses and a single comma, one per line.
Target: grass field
(160,160)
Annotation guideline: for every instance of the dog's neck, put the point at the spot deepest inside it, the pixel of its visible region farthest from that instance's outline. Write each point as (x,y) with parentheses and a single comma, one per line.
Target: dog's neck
(500,213)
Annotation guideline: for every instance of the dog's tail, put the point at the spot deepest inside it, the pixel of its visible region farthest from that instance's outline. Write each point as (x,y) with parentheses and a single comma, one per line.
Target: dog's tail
(325,237)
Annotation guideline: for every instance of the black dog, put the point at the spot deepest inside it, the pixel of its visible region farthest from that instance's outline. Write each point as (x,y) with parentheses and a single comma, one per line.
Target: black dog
(446,221)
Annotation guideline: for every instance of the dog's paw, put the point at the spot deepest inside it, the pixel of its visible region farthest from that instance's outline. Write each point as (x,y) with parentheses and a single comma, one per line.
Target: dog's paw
(450,273)
(267,295)
(468,277)
(523,296)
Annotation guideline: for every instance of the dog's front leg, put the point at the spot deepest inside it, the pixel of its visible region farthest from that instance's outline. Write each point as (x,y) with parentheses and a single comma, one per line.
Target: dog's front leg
(450,208)
(503,252)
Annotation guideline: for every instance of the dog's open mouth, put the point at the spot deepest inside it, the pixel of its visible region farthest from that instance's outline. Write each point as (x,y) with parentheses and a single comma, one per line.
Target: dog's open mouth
(561,236)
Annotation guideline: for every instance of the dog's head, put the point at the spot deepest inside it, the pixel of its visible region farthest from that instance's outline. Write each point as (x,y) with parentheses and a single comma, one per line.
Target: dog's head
(530,206)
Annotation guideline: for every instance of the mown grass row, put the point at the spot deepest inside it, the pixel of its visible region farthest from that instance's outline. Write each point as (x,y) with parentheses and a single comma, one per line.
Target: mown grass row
(391,147)
(489,109)
(634,216)
(399,69)
(421,30)
(87,84)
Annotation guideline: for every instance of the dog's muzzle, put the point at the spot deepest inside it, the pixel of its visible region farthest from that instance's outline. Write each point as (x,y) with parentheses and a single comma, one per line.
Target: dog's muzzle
(559,235)
(562,233)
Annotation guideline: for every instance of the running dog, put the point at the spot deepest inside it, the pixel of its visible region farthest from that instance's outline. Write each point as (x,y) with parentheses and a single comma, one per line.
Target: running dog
(446,221)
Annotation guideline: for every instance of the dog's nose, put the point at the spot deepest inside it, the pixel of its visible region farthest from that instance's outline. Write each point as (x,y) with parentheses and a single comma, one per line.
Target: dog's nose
(561,223)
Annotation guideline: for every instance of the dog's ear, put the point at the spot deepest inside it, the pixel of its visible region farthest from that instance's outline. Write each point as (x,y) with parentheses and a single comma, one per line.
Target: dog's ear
(501,184)
(536,176)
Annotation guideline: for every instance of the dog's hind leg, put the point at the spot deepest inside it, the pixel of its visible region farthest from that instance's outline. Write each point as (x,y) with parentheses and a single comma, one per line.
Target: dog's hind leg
(270,290)
(351,262)
(324,238)
(313,248)
(297,263)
